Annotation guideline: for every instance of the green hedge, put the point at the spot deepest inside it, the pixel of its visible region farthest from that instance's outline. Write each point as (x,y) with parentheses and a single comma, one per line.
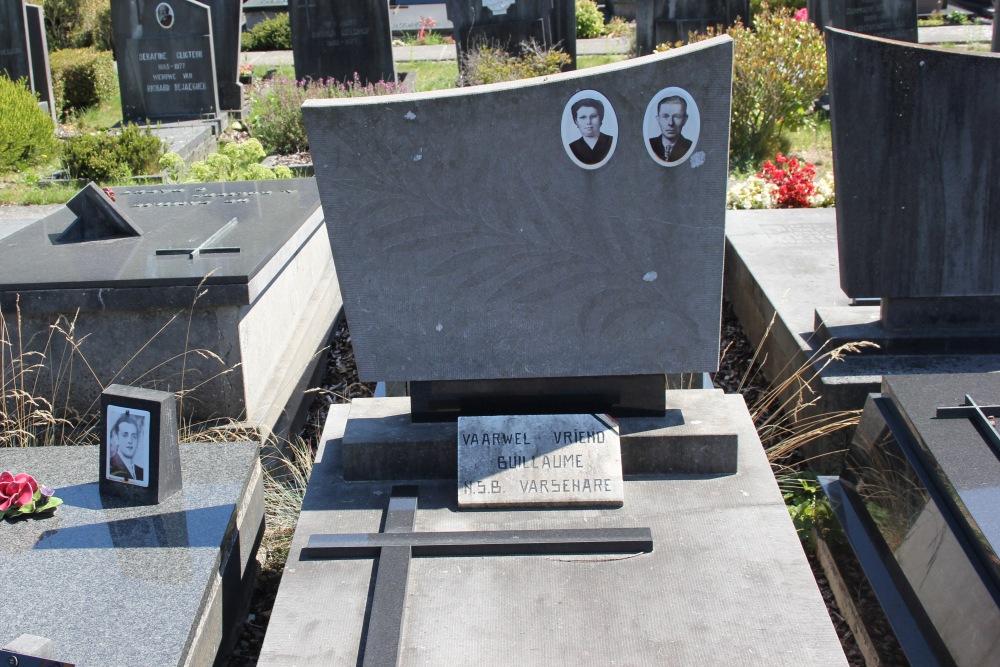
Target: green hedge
(105,157)
(26,133)
(269,35)
(82,78)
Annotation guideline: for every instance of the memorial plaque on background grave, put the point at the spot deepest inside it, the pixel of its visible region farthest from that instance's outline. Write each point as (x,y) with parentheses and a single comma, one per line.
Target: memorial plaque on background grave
(547,460)
(659,21)
(14,54)
(340,39)
(166,63)
(918,199)
(892,19)
(544,264)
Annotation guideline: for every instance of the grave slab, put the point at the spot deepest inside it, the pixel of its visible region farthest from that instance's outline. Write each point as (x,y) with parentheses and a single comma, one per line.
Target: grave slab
(179,572)
(724,557)
(782,265)
(265,308)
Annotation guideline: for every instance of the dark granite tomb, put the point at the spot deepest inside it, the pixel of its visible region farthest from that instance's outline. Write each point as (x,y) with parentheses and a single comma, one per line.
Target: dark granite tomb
(919,500)
(659,21)
(257,250)
(166,61)
(507,23)
(342,39)
(892,19)
(24,51)
(227,19)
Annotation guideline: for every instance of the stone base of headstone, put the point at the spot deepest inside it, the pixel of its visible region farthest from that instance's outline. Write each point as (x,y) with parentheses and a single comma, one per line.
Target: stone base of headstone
(154,585)
(783,279)
(724,556)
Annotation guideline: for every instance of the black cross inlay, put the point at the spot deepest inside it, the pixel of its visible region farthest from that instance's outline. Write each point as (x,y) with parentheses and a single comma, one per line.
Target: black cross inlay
(397,544)
(980,416)
(205,247)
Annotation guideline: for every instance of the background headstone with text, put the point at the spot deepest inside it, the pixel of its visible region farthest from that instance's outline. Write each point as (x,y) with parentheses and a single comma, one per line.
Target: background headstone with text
(342,39)
(660,21)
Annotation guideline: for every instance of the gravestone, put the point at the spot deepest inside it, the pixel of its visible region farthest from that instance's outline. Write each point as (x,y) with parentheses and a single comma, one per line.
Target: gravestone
(660,21)
(892,19)
(508,23)
(257,250)
(339,40)
(24,51)
(916,499)
(159,585)
(227,19)
(905,260)
(166,61)
(561,265)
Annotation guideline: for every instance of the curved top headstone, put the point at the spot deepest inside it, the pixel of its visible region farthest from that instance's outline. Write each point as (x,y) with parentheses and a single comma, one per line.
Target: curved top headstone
(916,161)
(476,234)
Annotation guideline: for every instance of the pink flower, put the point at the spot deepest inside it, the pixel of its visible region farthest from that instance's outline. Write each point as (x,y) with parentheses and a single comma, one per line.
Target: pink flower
(802,15)
(16,491)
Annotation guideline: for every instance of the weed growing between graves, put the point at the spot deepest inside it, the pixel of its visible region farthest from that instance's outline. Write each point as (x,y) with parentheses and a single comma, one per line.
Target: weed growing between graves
(276,110)
(490,63)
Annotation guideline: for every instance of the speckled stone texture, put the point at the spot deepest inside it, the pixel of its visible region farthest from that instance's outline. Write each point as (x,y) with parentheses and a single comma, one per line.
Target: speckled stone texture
(154,585)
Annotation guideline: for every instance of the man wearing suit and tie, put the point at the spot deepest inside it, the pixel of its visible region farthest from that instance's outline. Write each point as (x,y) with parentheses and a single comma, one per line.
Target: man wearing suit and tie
(671,146)
(124,446)
(593,145)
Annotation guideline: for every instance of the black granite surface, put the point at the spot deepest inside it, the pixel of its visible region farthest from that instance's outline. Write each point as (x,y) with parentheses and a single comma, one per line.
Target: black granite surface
(340,39)
(14,53)
(659,21)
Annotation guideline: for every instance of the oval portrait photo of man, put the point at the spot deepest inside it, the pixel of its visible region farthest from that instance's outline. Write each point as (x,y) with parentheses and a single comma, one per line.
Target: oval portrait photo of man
(671,126)
(589,129)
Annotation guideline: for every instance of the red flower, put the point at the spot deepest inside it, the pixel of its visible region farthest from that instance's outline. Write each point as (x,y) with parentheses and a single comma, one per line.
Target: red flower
(16,491)
(110,193)
(802,15)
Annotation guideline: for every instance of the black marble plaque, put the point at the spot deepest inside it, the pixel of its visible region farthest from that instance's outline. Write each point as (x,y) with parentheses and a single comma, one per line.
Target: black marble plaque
(507,23)
(892,19)
(659,21)
(923,473)
(917,194)
(340,39)
(166,62)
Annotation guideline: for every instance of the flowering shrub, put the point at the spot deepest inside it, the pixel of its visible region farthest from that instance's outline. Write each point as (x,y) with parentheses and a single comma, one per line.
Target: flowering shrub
(276,111)
(754,192)
(785,183)
(233,162)
(21,495)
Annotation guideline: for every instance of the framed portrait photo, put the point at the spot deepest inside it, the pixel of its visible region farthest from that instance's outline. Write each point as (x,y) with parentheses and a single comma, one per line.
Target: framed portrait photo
(671,126)
(589,129)
(139,453)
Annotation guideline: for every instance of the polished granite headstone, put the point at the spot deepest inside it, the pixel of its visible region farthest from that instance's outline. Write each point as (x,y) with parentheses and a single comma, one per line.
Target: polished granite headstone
(15,55)
(41,73)
(670,21)
(543,267)
(227,21)
(919,499)
(242,270)
(342,39)
(166,62)
(891,19)
(507,23)
(112,585)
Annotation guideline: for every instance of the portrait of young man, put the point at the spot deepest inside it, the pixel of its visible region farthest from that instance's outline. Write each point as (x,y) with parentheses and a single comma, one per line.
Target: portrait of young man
(128,445)
(589,134)
(672,111)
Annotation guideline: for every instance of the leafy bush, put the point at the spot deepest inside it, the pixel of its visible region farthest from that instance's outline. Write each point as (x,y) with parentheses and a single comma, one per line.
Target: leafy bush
(105,157)
(76,23)
(785,183)
(758,6)
(489,63)
(233,162)
(82,78)
(589,20)
(779,71)
(26,133)
(276,111)
(269,35)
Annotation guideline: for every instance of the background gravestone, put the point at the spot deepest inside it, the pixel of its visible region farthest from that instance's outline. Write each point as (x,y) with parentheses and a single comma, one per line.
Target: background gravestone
(659,21)
(166,62)
(227,17)
(507,23)
(24,49)
(892,19)
(340,39)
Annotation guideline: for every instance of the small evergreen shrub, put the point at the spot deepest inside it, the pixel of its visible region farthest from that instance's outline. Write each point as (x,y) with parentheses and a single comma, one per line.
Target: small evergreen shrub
(276,111)
(105,157)
(233,162)
(589,20)
(269,35)
(26,133)
(491,64)
(82,78)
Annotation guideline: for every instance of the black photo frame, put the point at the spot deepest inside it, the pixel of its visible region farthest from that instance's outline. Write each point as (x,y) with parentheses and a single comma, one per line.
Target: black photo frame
(148,419)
